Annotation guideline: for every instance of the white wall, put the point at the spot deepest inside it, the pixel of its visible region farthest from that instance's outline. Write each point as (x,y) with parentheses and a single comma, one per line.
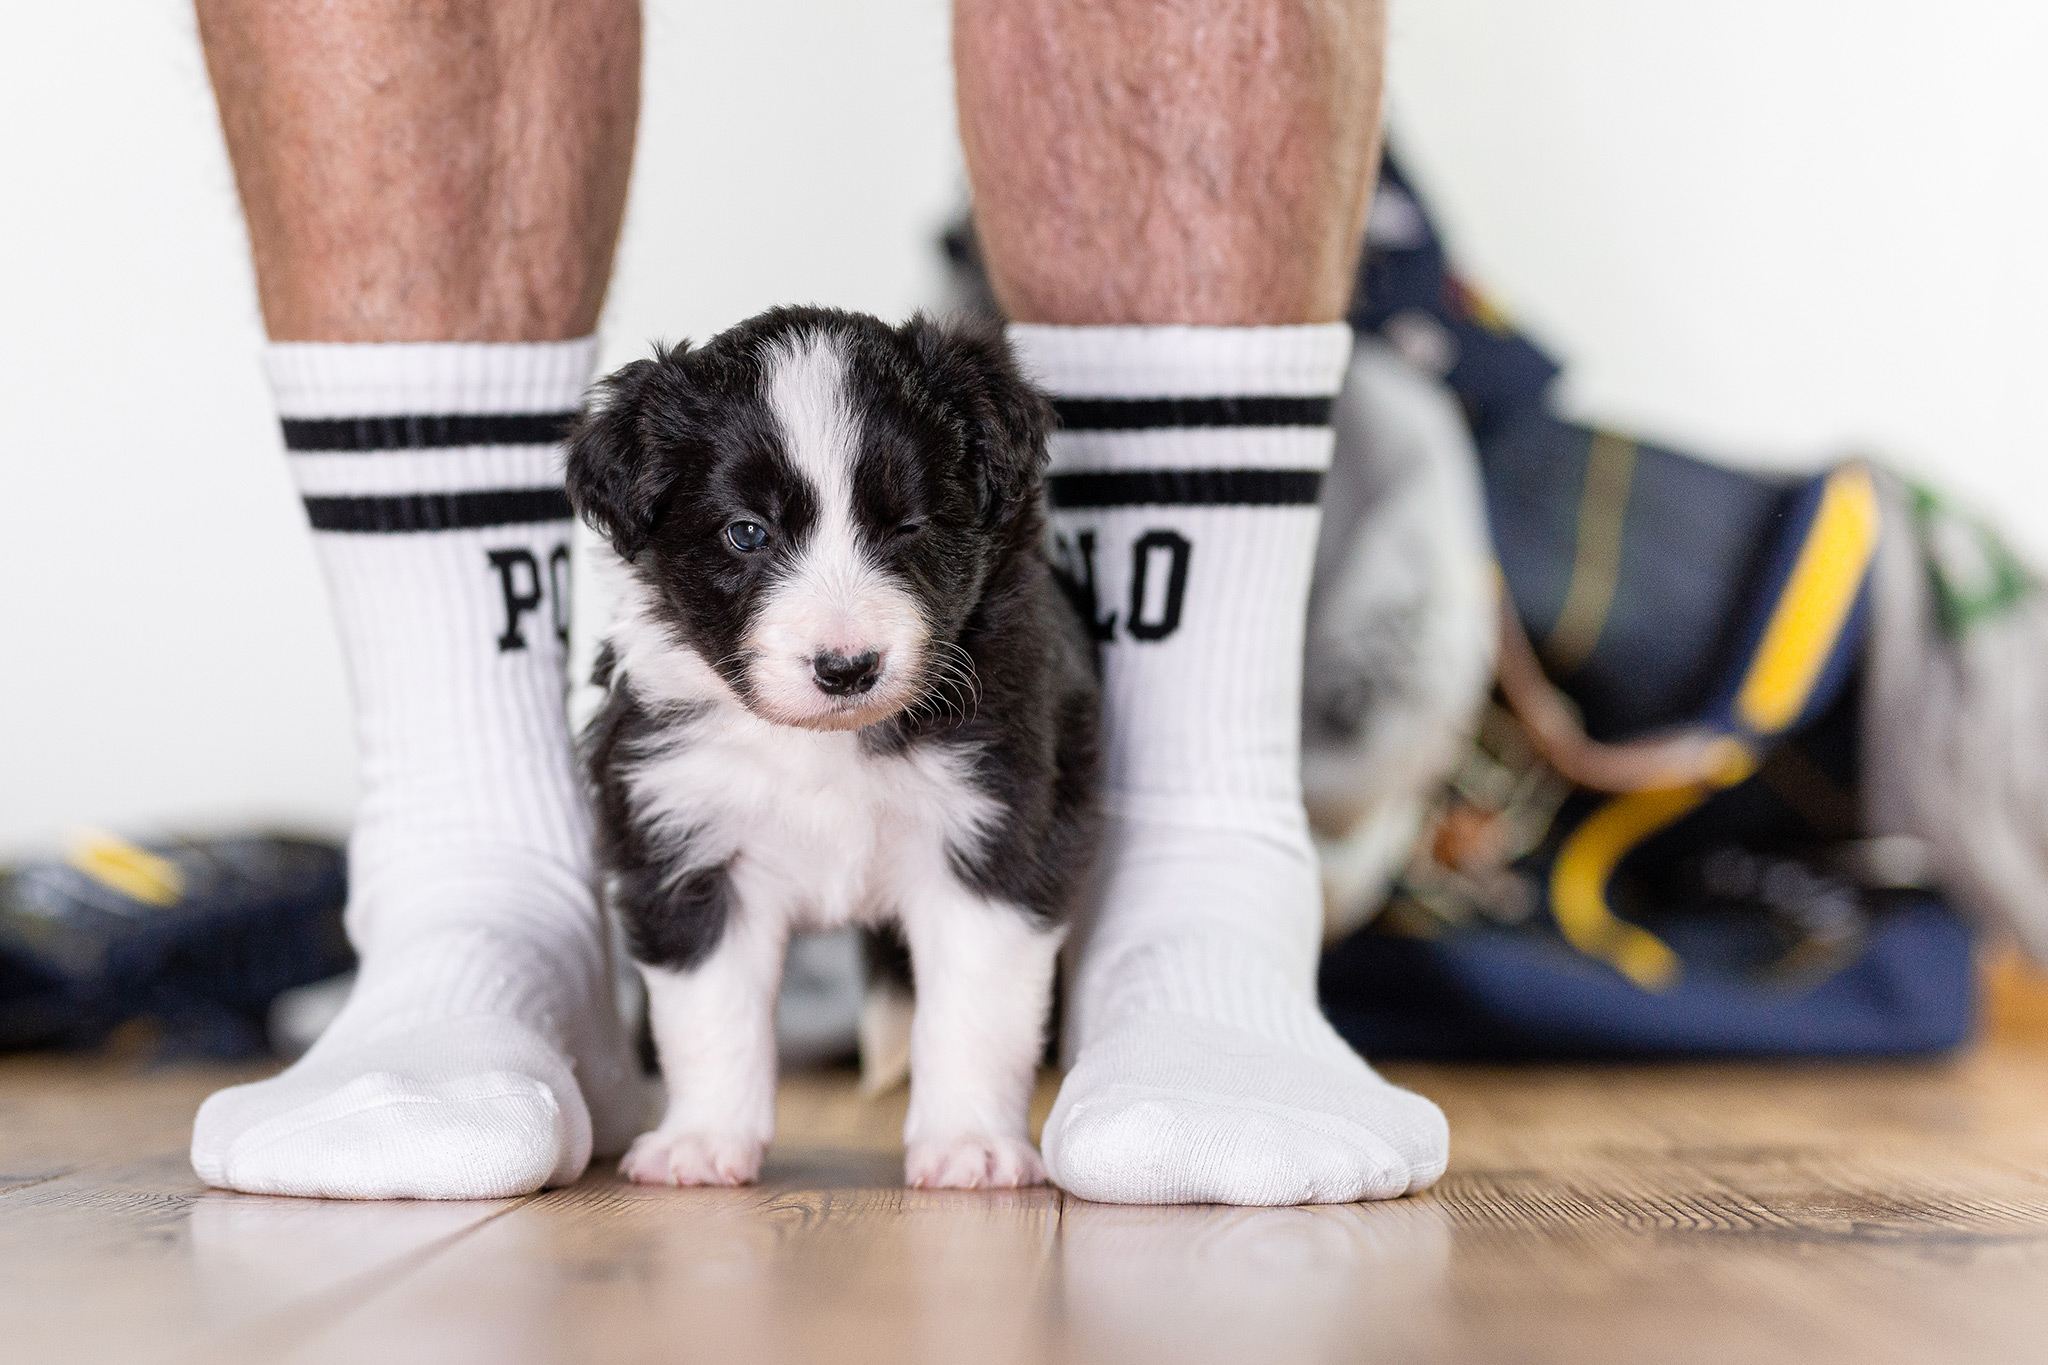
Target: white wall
(1773,228)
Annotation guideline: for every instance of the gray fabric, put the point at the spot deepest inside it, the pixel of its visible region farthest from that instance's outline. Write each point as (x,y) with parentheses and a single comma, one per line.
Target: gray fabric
(1402,623)
(1955,725)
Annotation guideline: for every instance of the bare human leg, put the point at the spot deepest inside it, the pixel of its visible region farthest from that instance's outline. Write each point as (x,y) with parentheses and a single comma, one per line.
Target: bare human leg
(447,171)
(1170,196)
(433,193)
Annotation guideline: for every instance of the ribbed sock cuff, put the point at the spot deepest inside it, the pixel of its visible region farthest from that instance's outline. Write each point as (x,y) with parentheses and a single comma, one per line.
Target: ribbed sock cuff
(383,379)
(1303,361)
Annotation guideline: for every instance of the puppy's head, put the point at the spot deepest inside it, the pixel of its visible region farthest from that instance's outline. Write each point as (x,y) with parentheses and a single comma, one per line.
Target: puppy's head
(814,501)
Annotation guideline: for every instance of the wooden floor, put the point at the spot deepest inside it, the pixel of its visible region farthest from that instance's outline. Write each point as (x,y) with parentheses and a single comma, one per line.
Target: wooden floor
(1803,1214)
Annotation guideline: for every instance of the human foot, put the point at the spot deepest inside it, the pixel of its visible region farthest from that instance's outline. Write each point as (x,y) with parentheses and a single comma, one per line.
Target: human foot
(480,1054)
(1184,487)
(464,1070)
(1206,1073)
(1171,1109)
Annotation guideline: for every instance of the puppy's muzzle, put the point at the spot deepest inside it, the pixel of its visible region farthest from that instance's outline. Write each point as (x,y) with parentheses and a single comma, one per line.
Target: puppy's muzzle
(845,675)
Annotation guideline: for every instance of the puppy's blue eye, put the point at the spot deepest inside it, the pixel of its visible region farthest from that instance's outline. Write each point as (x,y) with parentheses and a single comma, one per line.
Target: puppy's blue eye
(746,536)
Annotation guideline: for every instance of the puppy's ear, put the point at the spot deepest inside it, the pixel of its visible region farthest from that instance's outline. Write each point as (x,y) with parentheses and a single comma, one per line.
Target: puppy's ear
(970,366)
(613,480)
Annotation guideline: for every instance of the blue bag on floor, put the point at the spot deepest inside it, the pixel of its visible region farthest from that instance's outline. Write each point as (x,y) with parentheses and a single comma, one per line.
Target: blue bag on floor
(1742,915)
(1725,918)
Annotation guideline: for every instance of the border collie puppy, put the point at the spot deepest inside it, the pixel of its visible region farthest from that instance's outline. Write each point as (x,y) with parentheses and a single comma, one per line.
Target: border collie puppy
(844,687)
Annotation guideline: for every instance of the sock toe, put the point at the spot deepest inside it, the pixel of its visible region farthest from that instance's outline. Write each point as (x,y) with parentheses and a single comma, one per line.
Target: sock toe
(479,1107)
(389,1136)
(1421,1134)
(1172,1109)
(1130,1147)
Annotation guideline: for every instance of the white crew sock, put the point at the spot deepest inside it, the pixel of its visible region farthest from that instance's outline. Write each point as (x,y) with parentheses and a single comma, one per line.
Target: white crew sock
(480,1053)
(1184,484)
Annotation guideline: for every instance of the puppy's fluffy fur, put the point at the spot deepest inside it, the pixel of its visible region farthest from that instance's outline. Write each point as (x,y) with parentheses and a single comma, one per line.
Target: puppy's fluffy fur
(844,687)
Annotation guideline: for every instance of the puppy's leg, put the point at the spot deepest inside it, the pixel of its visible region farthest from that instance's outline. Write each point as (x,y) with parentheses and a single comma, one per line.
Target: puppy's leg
(984,984)
(714,1028)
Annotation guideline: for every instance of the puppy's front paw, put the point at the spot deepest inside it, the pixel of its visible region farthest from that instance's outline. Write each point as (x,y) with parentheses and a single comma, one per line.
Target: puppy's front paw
(664,1158)
(973,1163)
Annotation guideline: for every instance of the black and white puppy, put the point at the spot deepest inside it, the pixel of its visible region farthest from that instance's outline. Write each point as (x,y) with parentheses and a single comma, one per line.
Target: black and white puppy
(844,688)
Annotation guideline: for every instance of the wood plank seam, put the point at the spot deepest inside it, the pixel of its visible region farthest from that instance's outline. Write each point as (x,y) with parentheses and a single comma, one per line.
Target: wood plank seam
(271,1337)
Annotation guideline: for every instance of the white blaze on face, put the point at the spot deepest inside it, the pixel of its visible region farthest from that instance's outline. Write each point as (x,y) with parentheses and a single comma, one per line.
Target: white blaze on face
(833,599)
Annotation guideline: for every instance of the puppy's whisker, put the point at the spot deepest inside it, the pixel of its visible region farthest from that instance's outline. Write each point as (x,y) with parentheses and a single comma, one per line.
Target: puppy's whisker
(743,654)
(945,675)
(930,699)
(965,662)
(956,668)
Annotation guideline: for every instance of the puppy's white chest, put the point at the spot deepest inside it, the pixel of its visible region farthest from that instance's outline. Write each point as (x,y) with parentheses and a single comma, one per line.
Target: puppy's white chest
(811,823)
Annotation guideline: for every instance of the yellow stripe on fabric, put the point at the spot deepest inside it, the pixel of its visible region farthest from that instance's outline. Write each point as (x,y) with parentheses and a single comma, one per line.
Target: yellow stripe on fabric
(1596,557)
(1818,597)
(133,871)
(1795,647)
(1578,883)
(1592,853)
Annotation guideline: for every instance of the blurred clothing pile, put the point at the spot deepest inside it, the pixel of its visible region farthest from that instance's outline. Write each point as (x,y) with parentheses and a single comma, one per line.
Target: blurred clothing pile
(1752,743)
(188,942)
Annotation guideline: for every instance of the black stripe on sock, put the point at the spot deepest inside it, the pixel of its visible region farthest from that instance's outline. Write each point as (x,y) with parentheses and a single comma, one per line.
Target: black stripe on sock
(1143,414)
(438,511)
(426,431)
(1187,488)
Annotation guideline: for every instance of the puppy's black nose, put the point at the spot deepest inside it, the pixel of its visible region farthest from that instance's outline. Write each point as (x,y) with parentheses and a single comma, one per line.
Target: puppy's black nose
(842,675)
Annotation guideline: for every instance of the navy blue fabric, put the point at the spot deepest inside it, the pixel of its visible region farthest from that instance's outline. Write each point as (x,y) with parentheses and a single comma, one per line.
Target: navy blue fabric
(1697,544)
(1517,994)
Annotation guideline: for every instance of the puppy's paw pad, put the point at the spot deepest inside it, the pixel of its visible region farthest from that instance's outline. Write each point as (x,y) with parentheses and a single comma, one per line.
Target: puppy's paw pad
(973,1163)
(661,1158)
